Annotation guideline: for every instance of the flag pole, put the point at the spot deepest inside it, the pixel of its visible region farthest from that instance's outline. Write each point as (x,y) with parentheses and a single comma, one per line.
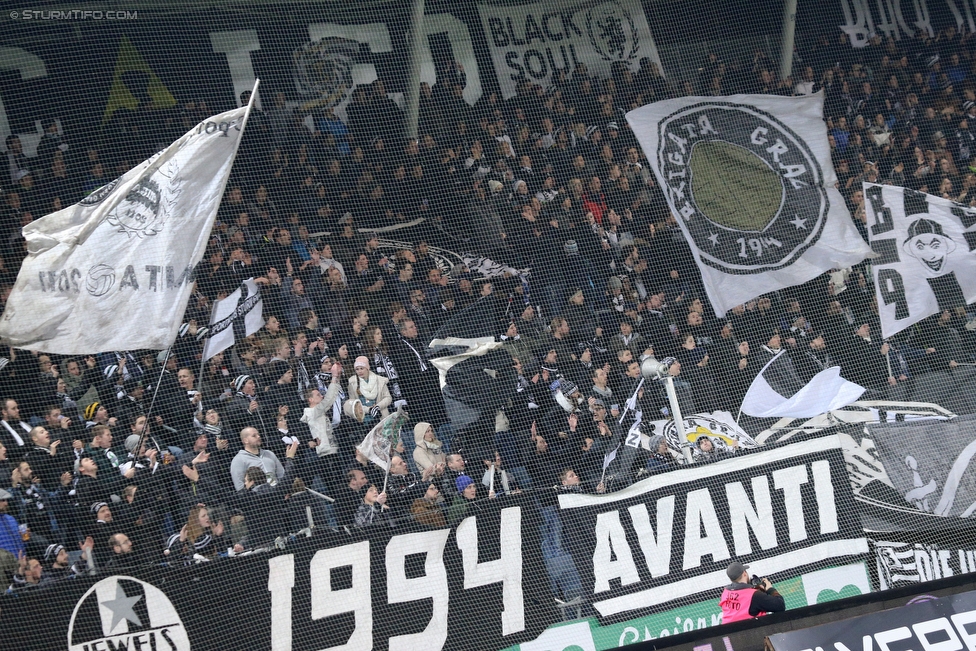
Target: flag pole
(203,355)
(632,400)
(389,463)
(247,114)
(679,422)
(152,402)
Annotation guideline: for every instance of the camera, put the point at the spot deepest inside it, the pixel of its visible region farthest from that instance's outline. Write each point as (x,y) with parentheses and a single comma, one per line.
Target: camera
(757,581)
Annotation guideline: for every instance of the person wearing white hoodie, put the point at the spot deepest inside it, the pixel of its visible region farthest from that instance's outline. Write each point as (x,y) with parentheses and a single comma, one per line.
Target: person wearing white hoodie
(429,452)
(321,417)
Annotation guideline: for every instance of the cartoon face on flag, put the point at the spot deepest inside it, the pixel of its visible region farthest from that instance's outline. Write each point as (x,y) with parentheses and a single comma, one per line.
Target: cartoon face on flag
(925,261)
(928,244)
(719,427)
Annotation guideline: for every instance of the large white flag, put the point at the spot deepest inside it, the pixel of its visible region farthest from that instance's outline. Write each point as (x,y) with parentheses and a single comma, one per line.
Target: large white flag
(749,180)
(776,392)
(926,248)
(237,316)
(115,270)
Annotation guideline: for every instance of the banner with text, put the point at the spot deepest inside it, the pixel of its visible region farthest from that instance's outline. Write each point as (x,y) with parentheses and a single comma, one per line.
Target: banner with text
(533,42)
(671,536)
(750,180)
(389,588)
(905,560)
(945,623)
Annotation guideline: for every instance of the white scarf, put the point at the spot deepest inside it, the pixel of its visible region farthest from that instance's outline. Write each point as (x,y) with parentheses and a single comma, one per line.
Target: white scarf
(323,380)
(369,389)
(423,365)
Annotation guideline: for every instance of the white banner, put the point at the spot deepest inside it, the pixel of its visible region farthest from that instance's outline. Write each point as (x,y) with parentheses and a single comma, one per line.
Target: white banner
(237,316)
(669,538)
(533,41)
(749,179)
(115,271)
(925,260)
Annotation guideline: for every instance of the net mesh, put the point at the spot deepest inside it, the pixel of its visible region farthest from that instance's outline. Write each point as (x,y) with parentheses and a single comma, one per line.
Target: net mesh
(456,426)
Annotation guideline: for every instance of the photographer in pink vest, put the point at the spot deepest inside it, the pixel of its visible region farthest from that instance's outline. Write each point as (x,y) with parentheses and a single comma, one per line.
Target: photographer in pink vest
(747,597)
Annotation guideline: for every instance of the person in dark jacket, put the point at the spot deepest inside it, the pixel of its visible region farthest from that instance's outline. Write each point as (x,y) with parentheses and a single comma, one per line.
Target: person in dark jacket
(419,380)
(262,503)
(244,409)
(660,459)
(348,498)
(48,458)
(14,432)
(373,510)
(866,360)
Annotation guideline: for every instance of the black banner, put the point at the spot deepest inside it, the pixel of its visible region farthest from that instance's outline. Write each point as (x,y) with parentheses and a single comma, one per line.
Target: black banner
(912,558)
(671,536)
(392,588)
(927,464)
(947,623)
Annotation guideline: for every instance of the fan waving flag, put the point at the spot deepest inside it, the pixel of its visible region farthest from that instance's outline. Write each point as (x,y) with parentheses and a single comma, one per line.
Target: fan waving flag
(750,182)
(234,318)
(778,391)
(115,270)
(926,248)
(379,443)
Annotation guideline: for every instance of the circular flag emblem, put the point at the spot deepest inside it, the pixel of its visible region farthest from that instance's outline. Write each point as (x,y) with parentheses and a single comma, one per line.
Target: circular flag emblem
(122,612)
(748,191)
(724,435)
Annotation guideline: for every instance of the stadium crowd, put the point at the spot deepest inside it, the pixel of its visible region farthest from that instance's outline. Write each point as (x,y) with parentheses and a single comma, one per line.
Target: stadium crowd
(129,458)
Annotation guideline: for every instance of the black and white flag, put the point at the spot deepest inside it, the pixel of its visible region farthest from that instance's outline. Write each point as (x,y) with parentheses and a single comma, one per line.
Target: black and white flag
(115,271)
(903,562)
(925,260)
(750,182)
(777,391)
(929,464)
(238,316)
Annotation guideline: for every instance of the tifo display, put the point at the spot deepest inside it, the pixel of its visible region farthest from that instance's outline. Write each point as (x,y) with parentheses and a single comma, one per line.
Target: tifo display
(502,326)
